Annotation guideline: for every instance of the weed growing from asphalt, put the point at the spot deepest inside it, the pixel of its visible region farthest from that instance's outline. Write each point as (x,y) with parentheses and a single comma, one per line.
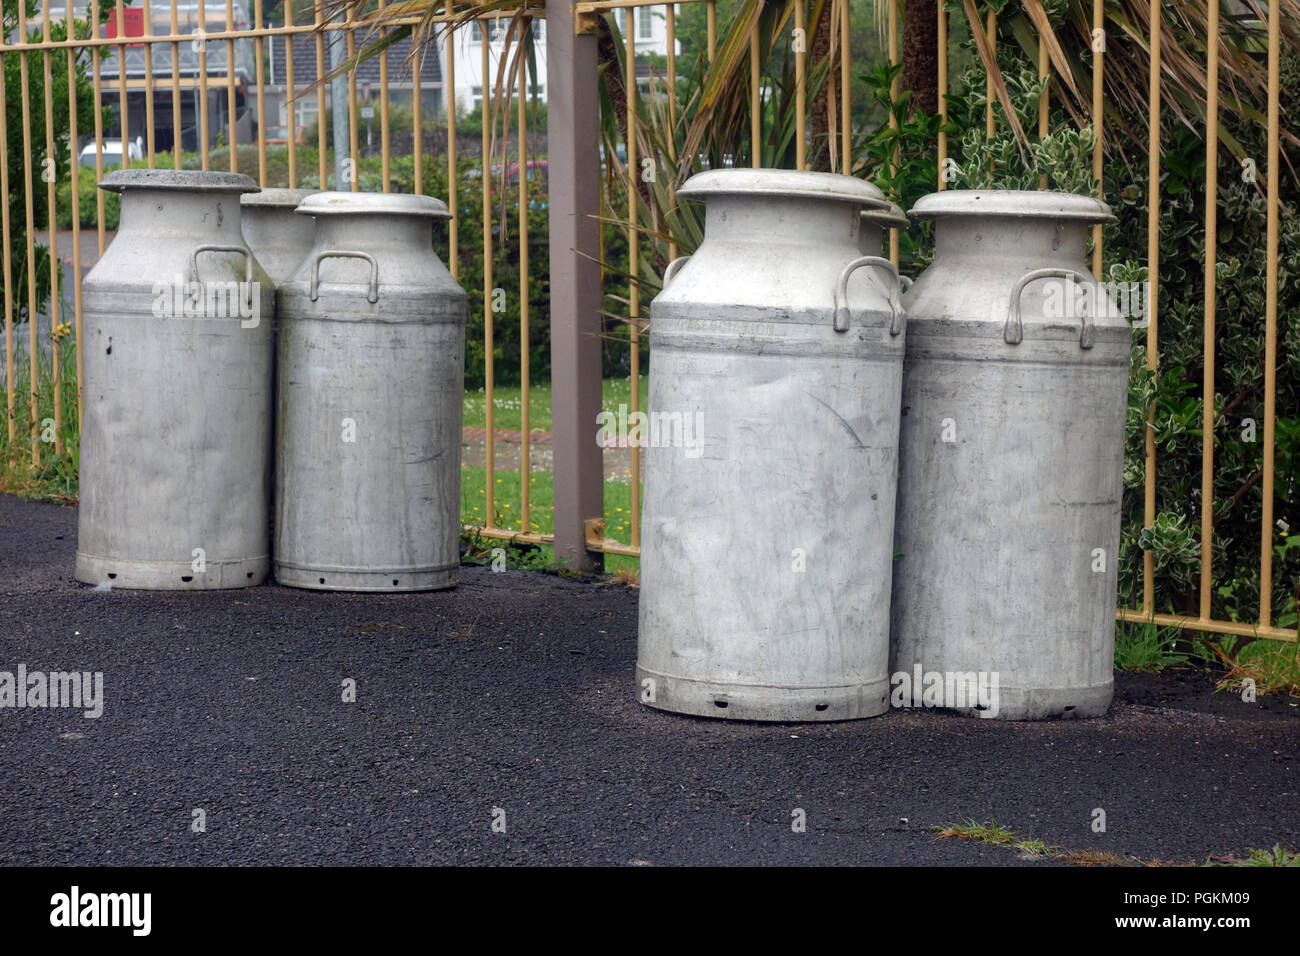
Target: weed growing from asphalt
(465,631)
(1146,647)
(519,556)
(1278,856)
(1274,666)
(995,834)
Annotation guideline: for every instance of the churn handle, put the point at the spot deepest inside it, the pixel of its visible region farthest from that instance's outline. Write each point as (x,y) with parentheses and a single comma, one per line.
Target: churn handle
(1014,331)
(842,293)
(344,254)
(241,250)
(673,268)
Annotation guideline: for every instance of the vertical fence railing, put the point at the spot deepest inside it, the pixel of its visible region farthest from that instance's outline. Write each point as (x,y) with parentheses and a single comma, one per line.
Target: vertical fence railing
(70,56)
(1270,315)
(1211,303)
(259,78)
(453,180)
(353,151)
(1098,118)
(800,85)
(232,142)
(892,27)
(203,84)
(75,198)
(29,222)
(489,359)
(1153,303)
(991,34)
(941,87)
(48,87)
(177,138)
(634,262)
(11,371)
(319,38)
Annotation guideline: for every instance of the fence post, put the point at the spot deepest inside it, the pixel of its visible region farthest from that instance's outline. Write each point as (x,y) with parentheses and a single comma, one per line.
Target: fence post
(574,202)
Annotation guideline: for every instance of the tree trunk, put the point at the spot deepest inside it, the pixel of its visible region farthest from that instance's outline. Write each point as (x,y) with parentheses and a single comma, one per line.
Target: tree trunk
(607,66)
(920,54)
(818,116)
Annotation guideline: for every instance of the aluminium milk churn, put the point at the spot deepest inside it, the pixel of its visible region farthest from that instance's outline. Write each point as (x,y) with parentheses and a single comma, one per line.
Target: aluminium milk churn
(368,424)
(279,239)
(175,446)
(1010,461)
(775,372)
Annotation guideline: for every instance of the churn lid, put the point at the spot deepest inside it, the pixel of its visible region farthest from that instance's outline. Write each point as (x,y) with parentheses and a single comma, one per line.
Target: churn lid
(190,180)
(278,198)
(783,182)
(1021,203)
(891,218)
(382,204)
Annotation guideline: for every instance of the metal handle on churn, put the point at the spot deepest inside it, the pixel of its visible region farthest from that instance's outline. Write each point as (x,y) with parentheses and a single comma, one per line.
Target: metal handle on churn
(241,250)
(342,254)
(1015,332)
(842,293)
(673,268)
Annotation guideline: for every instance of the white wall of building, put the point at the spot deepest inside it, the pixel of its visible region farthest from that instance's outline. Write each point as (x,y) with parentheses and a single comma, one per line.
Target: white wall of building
(651,37)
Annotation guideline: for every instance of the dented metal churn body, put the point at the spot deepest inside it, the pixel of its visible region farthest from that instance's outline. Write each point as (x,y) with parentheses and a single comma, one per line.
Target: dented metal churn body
(1011,456)
(175,444)
(370,387)
(775,368)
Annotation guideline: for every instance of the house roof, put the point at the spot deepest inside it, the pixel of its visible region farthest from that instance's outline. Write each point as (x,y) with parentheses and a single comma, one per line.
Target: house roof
(399,70)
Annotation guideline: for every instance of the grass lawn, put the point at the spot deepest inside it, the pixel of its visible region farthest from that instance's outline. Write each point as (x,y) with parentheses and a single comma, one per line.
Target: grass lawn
(506,403)
(541,506)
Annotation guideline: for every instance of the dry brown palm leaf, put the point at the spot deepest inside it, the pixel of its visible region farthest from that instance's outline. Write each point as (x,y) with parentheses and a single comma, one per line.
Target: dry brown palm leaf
(995,77)
(1047,36)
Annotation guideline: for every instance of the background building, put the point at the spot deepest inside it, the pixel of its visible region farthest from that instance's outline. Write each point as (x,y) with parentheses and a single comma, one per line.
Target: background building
(651,37)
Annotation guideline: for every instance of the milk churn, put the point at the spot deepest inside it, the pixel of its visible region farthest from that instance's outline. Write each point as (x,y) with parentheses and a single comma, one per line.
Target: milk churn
(1011,462)
(371,376)
(175,445)
(775,371)
(279,239)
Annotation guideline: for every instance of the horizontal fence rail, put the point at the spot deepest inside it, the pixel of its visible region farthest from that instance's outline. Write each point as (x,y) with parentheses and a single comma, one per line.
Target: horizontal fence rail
(214,61)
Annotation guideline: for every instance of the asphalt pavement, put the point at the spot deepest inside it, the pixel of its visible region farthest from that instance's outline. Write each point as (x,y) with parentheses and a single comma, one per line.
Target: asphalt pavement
(510,700)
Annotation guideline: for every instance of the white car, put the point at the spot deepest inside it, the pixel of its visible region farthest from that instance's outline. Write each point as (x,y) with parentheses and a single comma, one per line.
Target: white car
(112,152)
